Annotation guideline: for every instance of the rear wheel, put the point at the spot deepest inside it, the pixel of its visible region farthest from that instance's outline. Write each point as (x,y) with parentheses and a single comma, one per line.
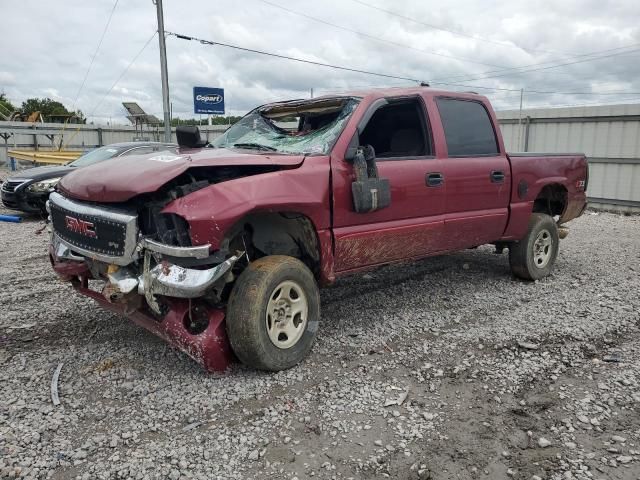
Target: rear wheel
(273,313)
(533,257)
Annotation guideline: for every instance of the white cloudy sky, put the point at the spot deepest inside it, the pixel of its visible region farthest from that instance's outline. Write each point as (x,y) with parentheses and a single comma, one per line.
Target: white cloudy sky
(47,48)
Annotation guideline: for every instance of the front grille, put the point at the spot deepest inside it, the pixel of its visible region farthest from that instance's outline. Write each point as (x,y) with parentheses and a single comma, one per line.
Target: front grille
(96,231)
(10,185)
(90,232)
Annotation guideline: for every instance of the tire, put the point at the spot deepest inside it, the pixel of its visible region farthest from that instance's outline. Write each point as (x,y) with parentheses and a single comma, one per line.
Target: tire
(533,257)
(273,313)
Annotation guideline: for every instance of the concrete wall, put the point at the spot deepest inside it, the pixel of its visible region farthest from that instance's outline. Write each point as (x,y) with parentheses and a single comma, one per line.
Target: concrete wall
(609,136)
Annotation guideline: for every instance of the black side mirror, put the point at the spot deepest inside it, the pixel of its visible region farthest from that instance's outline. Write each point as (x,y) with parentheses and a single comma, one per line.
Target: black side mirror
(369,192)
(189,137)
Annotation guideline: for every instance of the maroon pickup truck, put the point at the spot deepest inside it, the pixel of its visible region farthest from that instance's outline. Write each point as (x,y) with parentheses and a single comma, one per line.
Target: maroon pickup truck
(221,248)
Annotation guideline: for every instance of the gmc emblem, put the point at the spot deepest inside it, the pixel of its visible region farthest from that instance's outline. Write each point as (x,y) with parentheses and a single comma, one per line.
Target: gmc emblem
(80,226)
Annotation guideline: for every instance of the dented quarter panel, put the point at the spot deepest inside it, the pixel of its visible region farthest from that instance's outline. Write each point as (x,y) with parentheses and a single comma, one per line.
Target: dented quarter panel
(539,171)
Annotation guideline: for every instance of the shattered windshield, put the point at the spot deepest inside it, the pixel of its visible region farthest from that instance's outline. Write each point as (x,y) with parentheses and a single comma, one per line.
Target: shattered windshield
(298,127)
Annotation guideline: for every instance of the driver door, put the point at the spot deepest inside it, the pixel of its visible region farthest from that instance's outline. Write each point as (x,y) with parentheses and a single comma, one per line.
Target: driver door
(412,226)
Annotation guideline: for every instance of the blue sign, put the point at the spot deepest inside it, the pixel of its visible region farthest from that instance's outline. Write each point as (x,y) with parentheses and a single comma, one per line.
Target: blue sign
(208,100)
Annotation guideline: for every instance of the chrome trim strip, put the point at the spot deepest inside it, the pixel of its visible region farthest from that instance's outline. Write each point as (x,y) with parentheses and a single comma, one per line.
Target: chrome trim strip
(88,254)
(16,184)
(102,211)
(62,251)
(199,251)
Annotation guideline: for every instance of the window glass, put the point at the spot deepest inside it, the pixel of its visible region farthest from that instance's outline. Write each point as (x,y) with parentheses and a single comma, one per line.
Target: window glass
(397,130)
(95,156)
(467,128)
(141,150)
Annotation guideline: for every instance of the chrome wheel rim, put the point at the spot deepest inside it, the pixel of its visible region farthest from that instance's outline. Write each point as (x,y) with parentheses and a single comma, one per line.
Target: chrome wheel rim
(542,248)
(287,313)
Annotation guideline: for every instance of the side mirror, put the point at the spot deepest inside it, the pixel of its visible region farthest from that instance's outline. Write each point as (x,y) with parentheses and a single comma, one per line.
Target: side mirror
(189,137)
(370,193)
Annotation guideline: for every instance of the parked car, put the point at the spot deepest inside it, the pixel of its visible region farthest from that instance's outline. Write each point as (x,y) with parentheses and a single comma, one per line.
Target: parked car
(29,189)
(227,246)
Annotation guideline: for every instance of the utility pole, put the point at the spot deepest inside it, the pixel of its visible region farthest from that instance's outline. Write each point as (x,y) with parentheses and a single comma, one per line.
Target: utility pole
(163,72)
(520,121)
(311,92)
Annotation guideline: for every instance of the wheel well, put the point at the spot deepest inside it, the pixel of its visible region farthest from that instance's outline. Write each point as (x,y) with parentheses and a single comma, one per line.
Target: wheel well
(277,233)
(551,200)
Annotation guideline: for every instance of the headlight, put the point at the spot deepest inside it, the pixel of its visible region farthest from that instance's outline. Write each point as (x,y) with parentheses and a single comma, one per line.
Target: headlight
(44,186)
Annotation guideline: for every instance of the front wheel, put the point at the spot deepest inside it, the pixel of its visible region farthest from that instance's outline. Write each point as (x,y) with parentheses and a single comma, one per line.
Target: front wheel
(273,313)
(533,257)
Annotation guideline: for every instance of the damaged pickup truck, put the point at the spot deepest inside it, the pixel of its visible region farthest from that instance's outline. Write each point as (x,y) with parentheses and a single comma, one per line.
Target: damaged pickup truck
(221,248)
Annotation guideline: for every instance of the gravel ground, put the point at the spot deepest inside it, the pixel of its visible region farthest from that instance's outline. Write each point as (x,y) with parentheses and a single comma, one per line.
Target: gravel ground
(444,368)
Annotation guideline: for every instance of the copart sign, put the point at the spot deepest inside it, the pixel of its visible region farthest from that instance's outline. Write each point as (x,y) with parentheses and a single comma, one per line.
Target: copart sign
(208,100)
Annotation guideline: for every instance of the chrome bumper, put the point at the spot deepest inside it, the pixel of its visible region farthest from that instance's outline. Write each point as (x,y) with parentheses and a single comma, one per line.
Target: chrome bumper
(164,278)
(176,281)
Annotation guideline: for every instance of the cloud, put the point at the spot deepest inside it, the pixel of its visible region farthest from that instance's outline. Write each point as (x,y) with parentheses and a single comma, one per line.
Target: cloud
(53,58)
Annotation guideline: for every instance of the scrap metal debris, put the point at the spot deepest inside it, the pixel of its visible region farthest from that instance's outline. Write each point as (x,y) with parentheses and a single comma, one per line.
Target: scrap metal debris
(54,385)
(528,345)
(193,426)
(398,401)
(613,357)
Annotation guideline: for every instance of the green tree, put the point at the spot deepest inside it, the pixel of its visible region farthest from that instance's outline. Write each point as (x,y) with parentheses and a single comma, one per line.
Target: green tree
(48,108)
(6,107)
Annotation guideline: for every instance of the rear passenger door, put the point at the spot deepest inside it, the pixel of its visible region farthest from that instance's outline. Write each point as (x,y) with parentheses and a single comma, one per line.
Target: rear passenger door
(477,174)
(412,225)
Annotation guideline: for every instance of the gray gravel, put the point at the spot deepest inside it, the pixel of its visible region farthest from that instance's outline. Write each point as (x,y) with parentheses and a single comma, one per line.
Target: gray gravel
(444,368)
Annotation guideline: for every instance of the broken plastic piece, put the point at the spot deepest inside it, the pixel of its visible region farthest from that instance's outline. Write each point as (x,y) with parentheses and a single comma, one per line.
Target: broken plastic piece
(54,385)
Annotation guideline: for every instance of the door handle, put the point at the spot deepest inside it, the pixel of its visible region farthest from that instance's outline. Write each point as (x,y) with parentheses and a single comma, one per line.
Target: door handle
(434,179)
(497,176)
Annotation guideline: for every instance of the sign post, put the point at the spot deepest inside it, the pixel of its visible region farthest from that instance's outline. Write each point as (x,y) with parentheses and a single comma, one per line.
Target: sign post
(208,100)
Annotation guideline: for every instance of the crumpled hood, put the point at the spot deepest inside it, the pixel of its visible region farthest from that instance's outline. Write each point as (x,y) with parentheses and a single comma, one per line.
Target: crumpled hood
(122,178)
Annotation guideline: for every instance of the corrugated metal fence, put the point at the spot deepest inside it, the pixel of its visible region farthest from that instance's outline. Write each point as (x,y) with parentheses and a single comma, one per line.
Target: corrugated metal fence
(47,136)
(609,135)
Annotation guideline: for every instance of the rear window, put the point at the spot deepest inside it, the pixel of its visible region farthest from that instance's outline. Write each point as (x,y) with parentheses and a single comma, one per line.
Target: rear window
(467,128)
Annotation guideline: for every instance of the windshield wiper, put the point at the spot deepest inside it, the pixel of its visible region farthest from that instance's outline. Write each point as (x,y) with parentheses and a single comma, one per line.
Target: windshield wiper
(256,146)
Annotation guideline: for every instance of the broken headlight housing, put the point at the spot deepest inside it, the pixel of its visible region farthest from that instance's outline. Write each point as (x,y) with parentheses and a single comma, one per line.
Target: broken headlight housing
(44,186)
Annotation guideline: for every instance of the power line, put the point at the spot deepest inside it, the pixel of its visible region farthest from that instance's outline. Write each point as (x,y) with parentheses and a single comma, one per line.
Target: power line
(592,56)
(528,91)
(591,59)
(124,72)
(377,39)
(523,69)
(454,32)
(286,57)
(379,74)
(95,53)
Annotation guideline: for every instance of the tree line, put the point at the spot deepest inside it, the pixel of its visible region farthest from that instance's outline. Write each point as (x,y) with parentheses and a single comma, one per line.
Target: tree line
(51,110)
(55,112)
